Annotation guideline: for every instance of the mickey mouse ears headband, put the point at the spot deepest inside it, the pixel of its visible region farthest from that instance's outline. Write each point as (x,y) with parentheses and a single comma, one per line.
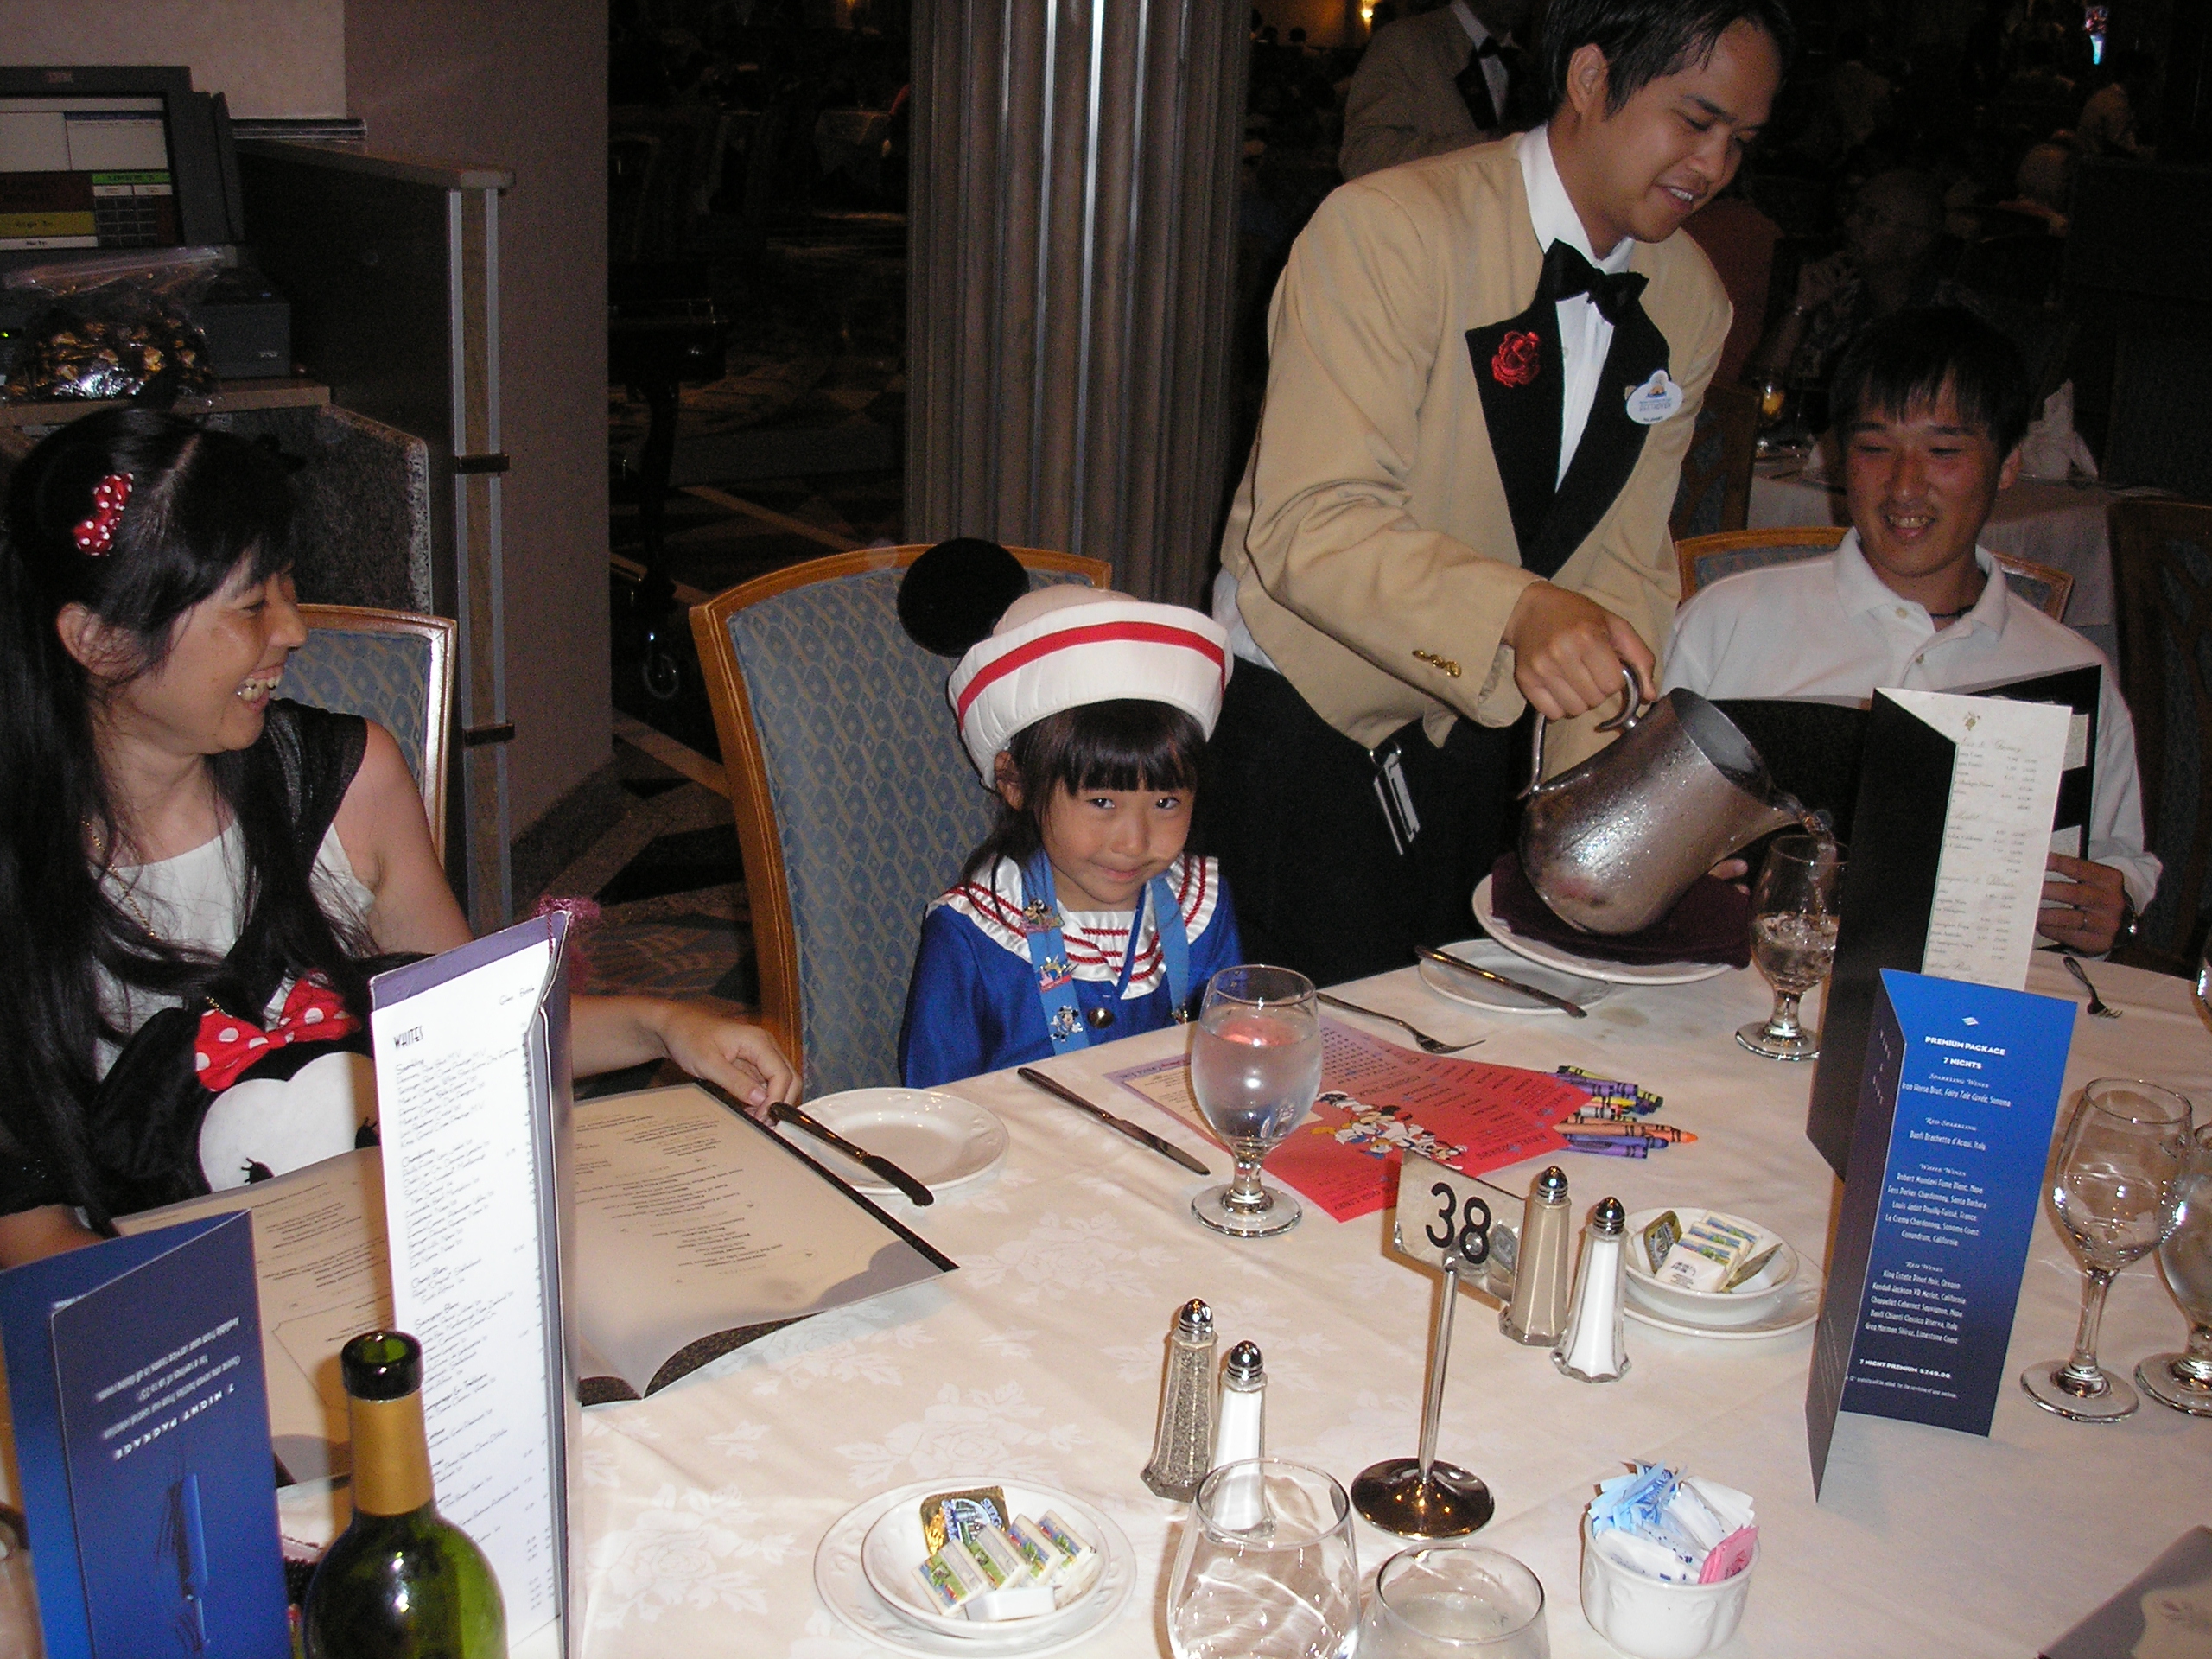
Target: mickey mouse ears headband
(1025,655)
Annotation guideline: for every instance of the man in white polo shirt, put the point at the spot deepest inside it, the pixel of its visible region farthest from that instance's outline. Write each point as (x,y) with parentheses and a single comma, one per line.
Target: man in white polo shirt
(1931,405)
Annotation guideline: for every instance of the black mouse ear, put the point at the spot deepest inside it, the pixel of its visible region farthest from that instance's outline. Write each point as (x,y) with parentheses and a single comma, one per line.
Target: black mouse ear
(954,594)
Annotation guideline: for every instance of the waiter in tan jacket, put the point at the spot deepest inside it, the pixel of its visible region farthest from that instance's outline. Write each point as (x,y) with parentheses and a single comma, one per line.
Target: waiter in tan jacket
(1484,369)
(1438,81)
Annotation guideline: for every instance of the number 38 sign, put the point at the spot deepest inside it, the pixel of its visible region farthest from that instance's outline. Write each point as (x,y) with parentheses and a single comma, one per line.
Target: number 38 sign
(1443,1219)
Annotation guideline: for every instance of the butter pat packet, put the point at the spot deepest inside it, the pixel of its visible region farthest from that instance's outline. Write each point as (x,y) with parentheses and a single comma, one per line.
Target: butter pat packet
(1001,1560)
(1694,1265)
(1028,1602)
(948,1515)
(950,1578)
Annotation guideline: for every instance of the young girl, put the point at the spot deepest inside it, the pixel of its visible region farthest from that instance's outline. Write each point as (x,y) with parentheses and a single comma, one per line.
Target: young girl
(1079,918)
(196,876)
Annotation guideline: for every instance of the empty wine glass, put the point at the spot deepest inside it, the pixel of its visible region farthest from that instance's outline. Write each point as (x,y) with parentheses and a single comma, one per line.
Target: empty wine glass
(1266,1567)
(1255,1066)
(1454,1601)
(2183,1380)
(1794,909)
(2114,1189)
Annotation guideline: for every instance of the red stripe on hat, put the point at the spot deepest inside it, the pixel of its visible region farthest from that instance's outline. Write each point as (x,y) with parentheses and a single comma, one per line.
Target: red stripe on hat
(1153,634)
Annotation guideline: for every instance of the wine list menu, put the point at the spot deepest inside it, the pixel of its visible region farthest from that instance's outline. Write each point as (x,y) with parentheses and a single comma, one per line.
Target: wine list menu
(1378,1102)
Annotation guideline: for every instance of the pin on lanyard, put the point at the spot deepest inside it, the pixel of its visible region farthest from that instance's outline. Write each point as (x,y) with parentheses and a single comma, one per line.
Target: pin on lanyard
(1048,952)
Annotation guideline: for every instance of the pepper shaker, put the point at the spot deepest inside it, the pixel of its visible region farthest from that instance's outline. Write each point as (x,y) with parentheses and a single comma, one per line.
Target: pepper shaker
(1594,1348)
(1183,1446)
(1538,1315)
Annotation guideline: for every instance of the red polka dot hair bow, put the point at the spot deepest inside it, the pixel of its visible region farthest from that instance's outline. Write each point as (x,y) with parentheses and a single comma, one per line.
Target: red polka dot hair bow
(227,1046)
(95,535)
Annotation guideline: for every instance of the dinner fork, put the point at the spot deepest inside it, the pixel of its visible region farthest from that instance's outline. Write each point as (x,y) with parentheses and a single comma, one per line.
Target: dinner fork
(2097,1008)
(1429,1044)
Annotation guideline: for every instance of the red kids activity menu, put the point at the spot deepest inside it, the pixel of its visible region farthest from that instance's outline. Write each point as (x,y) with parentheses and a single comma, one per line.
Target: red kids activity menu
(1377,1101)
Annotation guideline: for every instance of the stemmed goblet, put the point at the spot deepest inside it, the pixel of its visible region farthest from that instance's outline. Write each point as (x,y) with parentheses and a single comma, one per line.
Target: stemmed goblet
(1794,910)
(2114,1189)
(1256,1067)
(2183,1380)
(1267,1568)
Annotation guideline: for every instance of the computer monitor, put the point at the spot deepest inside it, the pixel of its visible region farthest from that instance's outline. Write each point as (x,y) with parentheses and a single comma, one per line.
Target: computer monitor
(107,159)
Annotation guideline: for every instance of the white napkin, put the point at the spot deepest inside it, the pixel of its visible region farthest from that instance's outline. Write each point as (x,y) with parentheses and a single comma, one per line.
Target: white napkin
(2053,449)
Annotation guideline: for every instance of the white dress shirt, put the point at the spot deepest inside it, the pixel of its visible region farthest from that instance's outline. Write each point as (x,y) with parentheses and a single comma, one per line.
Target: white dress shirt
(1830,630)
(1584,336)
(1493,70)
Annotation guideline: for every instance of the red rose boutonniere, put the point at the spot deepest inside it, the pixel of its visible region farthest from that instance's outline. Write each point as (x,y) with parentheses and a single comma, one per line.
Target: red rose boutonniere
(1518,355)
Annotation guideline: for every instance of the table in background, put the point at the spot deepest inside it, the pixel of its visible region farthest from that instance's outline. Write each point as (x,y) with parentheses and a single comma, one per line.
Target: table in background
(1041,1357)
(2061,525)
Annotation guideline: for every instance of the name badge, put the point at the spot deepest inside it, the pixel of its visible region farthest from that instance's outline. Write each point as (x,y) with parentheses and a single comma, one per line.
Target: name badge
(1655,400)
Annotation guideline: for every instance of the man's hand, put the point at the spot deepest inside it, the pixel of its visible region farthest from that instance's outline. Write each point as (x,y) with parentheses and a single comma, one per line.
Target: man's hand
(1568,652)
(2094,896)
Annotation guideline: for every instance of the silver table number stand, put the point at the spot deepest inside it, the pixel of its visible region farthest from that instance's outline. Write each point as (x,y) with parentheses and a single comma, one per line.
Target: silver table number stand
(1421,1497)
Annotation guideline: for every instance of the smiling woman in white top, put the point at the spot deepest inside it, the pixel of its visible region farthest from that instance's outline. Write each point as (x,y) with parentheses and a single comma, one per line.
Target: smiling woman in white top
(196,877)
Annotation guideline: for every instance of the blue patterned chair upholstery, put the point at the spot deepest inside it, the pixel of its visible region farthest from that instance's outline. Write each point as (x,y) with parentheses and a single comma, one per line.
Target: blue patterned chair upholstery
(397,669)
(1704,560)
(1715,491)
(2162,569)
(853,799)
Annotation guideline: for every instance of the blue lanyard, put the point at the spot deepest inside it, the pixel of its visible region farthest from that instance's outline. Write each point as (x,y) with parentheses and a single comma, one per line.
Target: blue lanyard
(1048,952)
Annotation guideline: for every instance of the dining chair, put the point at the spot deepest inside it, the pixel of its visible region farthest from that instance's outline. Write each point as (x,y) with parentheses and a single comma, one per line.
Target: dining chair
(1704,560)
(1715,491)
(2162,572)
(853,799)
(395,667)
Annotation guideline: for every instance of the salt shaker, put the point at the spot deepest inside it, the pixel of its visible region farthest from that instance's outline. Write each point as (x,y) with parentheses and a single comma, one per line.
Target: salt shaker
(1240,1505)
(1183,1446)
(1594,1349)
(1538,1315)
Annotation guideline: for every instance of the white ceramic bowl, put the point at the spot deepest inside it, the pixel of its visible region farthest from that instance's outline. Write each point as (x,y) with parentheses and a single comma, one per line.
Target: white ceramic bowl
(892,1549)
(1653,1619)
(1755,1300)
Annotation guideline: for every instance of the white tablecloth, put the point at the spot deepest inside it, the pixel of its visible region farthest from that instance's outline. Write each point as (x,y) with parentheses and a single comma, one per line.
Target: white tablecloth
(1042,1358)
(2058,524)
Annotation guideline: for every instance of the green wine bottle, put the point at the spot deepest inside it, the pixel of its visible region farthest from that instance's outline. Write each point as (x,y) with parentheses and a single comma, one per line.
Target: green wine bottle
(401,1582)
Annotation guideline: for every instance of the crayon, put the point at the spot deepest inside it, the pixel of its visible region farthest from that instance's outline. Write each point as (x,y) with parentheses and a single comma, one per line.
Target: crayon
(1612,1148)
(1650,1131)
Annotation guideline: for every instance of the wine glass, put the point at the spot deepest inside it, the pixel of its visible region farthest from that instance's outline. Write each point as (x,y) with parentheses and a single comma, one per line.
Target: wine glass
(1454,1601)
(2183,1380)
(1793,916)
(2114,1187)
(1773,401)
(1267,1567)
(1255,1066)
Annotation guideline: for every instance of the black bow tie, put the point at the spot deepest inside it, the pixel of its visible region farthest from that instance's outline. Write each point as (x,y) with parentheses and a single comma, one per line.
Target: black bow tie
(1566,274)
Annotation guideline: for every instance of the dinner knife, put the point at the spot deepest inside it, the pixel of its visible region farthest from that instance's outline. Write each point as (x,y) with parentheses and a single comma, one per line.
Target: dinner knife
(1466,967)
(1143,1137)
(782,1112)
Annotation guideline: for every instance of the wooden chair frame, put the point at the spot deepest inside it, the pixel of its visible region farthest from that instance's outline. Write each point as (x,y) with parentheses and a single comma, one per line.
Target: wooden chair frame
(767,884)
(438,633)
(1826,537)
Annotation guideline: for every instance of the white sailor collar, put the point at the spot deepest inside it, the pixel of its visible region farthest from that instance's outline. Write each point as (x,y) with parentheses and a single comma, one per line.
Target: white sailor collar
(1097,941)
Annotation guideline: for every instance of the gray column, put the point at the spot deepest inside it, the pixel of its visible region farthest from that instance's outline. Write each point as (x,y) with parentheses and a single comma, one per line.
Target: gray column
(1073,200)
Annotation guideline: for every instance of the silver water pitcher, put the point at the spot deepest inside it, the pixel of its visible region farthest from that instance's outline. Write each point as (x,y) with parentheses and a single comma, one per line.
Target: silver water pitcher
(1612,844)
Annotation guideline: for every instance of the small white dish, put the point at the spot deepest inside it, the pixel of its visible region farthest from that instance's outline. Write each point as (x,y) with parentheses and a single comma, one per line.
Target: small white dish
(893,1548)
(1618,973)
(944,1143)
(1747,1304)
(1479,993)
(841,1582)
(1653,1619)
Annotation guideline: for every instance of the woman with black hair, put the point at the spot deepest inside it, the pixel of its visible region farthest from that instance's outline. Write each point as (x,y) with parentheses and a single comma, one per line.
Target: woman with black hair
(185,860)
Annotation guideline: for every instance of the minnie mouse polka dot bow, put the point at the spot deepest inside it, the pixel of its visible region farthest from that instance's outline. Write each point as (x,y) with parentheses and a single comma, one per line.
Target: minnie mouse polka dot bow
(95,535)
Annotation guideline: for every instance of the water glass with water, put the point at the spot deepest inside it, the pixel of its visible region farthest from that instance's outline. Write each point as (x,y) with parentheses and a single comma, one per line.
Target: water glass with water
(1256,1067)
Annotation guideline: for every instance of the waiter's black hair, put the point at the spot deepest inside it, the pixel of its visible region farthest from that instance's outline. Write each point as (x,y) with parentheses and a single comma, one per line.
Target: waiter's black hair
(1912,357)
(1128,743)
(1644,40)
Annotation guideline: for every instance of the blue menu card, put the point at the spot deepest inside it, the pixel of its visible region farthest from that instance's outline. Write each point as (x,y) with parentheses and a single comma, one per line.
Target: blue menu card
(142,1435)
(1939,1196)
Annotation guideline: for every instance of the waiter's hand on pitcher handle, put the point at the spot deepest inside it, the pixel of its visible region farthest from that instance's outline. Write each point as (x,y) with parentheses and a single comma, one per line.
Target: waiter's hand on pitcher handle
(1568,652)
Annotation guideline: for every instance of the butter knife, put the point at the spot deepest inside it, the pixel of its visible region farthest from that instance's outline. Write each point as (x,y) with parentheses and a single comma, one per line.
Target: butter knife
(1466,967)
(882,1166)
(1122,1125)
